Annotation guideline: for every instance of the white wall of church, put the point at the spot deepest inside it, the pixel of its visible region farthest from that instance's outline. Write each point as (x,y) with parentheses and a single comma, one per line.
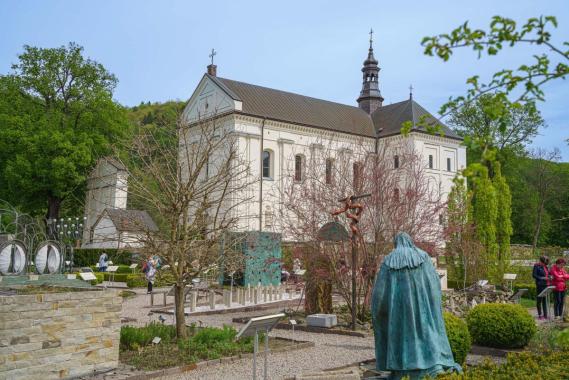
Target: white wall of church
(107,187)
(285,140)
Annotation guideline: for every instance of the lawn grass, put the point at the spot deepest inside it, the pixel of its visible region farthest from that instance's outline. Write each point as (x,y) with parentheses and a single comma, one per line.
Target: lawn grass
(202,344)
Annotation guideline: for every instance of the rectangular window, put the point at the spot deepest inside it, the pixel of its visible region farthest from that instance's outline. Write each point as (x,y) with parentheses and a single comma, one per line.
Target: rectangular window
(449,167)
(431,161)
(298,168)
(266,164)
(396,162)
(329,165)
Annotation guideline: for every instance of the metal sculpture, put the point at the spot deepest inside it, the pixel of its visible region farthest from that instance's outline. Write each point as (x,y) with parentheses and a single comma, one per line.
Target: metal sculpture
(353,212)
(22,236)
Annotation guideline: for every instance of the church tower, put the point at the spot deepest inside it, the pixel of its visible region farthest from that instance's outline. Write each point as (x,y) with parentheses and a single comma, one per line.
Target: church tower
(370,97)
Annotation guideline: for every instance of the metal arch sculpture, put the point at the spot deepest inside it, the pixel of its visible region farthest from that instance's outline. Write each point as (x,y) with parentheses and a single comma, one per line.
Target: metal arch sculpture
(12,258)
(48,258)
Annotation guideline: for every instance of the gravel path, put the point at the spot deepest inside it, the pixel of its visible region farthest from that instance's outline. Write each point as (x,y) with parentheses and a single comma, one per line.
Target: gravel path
(330,350)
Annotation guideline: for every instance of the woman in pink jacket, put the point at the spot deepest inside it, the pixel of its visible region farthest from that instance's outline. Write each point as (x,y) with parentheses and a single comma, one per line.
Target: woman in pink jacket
(559,277)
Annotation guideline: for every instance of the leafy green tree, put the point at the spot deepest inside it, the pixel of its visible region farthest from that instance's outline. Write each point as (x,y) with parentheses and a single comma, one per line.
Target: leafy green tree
(508,132)
(527,80)
(57,117)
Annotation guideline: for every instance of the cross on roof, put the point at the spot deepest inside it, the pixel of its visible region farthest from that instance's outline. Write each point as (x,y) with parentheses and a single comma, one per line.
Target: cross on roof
(410,91)
(370,37)
(213,53)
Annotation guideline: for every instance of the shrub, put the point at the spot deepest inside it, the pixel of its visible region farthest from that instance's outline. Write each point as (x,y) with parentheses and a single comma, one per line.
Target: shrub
(133,338)
(500,325)
(531,294)
(544,366)
(549,337)
(458,337)
(135,281)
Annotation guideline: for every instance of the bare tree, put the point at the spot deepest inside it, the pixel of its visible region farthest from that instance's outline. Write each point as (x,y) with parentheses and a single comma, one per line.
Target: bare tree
(402,199)
(545,181)
(191,180)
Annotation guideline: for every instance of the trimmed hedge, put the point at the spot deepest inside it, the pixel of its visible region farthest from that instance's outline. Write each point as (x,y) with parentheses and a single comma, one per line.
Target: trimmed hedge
(543,366)
(86,257)
(501,325)
(458,337)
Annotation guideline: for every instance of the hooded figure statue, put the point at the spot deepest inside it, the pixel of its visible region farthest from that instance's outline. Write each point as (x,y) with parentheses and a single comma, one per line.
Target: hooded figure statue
(410,334)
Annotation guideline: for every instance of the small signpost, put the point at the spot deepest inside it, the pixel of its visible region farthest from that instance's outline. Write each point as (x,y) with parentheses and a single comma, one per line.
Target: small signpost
(518,295)
(510,277)
(252,328)
(482,283)
(87,276)
(133,267)
(112,270)
(545,293)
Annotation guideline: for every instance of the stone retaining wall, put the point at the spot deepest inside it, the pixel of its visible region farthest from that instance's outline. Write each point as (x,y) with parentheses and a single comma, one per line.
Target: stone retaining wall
(59,335)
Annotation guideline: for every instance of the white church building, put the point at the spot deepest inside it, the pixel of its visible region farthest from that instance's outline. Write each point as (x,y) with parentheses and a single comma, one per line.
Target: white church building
(282,130)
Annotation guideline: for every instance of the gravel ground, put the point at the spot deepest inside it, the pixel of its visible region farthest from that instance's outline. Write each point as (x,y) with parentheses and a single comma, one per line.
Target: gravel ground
(330,350)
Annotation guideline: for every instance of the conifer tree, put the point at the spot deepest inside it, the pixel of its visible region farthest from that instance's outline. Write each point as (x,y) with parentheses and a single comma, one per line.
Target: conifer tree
(503,220)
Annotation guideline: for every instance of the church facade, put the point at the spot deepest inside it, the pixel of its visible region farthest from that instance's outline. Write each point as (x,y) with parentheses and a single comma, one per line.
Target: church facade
(278,132)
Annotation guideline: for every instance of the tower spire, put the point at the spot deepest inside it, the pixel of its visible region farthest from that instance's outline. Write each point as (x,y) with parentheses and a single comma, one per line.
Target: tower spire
(370,97)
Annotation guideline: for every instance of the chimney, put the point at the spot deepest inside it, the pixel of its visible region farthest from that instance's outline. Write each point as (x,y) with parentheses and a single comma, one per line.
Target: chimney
(212,70)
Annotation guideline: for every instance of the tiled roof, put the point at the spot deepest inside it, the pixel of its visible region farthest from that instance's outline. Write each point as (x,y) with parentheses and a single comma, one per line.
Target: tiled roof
(131,220)
(389,119)
(299,109)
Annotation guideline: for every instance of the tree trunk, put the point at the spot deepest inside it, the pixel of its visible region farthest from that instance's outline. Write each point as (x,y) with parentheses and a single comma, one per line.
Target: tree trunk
(179,309)
(53,207)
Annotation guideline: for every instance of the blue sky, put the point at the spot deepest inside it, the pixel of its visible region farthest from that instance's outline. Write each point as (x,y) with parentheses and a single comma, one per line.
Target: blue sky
(159,49)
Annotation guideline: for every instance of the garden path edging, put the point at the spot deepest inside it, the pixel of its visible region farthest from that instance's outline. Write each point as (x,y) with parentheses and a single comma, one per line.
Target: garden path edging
(207,363)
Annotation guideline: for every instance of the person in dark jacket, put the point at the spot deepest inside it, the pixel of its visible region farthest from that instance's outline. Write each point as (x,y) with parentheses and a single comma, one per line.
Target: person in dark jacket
(541,277)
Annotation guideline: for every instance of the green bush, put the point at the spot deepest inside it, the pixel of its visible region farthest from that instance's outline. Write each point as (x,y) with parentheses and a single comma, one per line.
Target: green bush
(500,325)
(133,338)
(549,337)
(136,281)
(532,292)
(525,365)
(458,337)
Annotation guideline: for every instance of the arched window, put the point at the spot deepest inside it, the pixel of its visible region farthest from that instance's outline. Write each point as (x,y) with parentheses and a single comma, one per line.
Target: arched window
(396,194)
(329,169)
(396,161)
(298,167)
(267,164)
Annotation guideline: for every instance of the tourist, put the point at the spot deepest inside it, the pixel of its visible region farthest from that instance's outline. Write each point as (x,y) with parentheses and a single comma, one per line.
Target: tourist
(103,262)
(541,276)
(149,272)
(560,276)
